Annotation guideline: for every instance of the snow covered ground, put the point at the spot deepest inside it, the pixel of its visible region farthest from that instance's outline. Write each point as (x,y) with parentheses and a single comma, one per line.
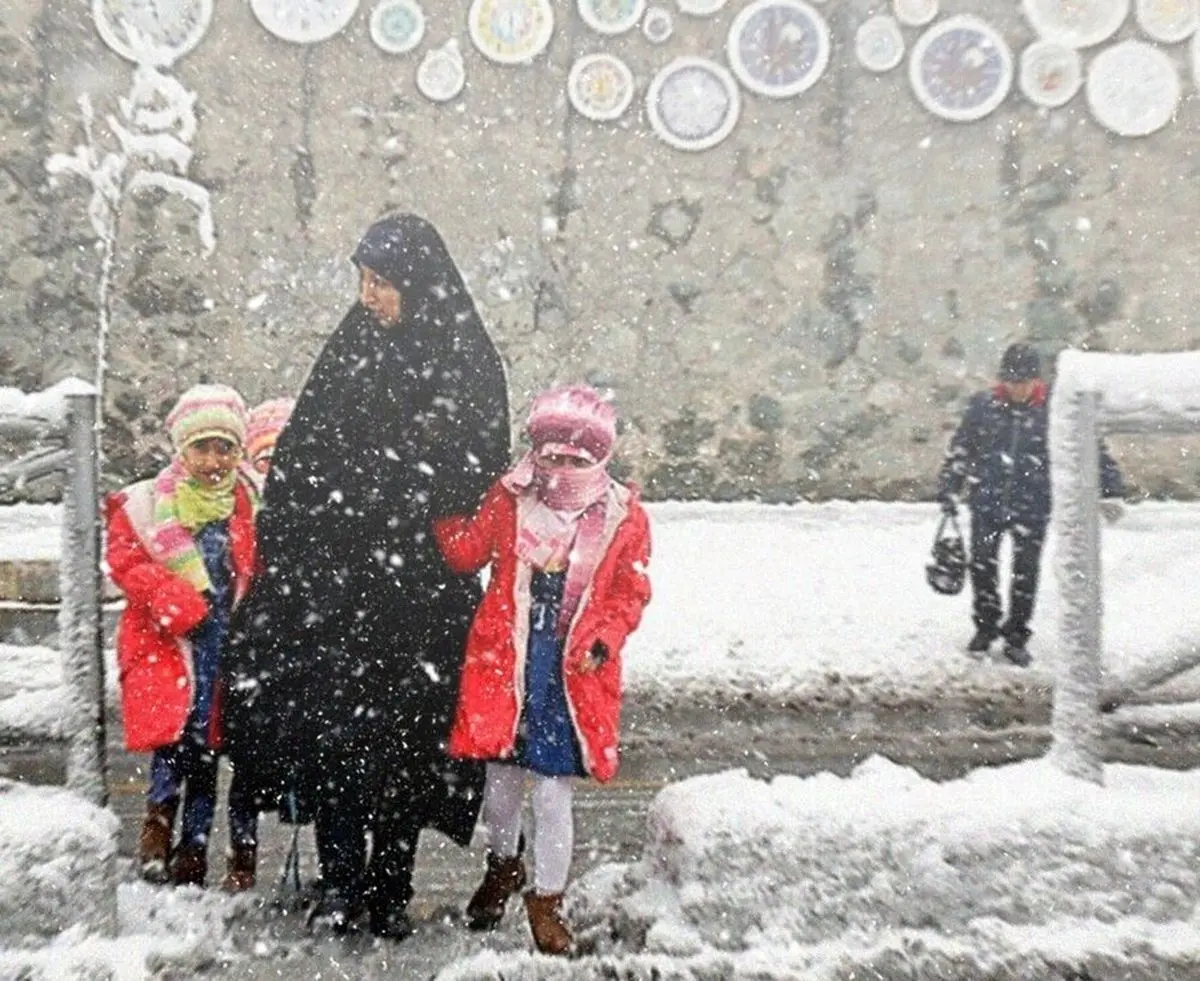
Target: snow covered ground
(826,876)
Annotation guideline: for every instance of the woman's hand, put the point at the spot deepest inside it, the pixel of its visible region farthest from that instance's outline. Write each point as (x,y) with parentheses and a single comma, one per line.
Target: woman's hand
(596,657)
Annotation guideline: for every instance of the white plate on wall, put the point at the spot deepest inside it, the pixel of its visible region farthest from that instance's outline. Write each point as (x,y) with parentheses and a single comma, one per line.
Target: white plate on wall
(1050,74)
(611,16)
(879,43)
(397,26)
(1132,88)
(778,48)
(1168,21)
(600,86)
(961,68)
(304,21)
(511,32)
(168,29)
(441,74)
(1076,23)
(693,103)
(915,13)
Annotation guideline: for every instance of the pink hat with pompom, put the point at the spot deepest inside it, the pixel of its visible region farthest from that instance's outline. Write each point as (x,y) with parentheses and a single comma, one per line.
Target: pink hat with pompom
(572,420)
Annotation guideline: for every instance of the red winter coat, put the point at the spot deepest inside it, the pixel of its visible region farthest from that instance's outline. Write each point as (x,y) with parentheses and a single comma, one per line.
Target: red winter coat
(491,691)
(154,657)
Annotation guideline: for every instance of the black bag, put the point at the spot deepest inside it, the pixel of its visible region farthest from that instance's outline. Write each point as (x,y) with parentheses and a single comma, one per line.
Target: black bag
(948,571)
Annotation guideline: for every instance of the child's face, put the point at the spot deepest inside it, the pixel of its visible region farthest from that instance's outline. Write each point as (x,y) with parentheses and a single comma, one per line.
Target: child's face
(556,460)
(210,460)
(262,463)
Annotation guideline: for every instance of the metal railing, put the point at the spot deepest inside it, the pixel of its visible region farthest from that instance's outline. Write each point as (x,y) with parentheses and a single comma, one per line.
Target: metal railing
(1096,395)
(67,444)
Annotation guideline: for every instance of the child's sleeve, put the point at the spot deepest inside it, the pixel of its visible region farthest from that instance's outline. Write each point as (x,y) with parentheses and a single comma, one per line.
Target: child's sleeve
(173,604)
(630,589)
(468,542)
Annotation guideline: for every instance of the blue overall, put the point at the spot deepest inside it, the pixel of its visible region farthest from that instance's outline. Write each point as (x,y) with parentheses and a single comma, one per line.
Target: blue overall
(191,762)
(547,743)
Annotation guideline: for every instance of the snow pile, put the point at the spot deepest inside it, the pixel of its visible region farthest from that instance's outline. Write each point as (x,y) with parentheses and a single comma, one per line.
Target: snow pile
(1141,390)
(49,405)
(1015,872)
(162,933)
(34,698)
(57,863)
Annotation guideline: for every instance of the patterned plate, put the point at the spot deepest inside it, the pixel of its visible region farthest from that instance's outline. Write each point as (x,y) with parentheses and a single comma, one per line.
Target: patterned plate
(879,43)
(167,29)
(511,32)
(693,103)
(441,75)
(700,8)
(397,26)
(611,16)
(1169,21)
(1076,23)
(1133,88)
(961,69)
(304,21)
(658,25)
(915,13)
(600,86)
(1050,74)
(778,48)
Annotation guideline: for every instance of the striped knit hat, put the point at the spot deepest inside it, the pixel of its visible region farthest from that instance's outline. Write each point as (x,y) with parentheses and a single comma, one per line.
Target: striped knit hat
(573,420)
(204,411)
(266,422)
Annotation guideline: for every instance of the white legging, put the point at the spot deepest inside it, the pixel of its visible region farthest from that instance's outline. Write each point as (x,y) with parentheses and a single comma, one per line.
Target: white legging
(553,824)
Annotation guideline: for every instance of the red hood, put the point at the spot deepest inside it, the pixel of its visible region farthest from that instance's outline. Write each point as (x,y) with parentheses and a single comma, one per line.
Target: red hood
(1000,390)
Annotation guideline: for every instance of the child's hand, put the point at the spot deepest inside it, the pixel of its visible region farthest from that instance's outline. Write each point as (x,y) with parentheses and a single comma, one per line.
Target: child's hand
(595,659)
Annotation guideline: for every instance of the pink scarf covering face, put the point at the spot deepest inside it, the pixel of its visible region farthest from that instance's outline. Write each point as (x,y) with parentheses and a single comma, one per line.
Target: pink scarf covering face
(563,522)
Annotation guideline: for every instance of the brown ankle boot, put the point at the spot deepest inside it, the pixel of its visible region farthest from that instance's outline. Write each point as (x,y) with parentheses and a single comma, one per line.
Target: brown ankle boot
(189,865)
(551,934)
(239,868)
(504,877)
(154,842)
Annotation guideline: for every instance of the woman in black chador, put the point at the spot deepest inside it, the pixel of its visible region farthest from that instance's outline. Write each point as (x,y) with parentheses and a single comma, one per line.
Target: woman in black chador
(344,661)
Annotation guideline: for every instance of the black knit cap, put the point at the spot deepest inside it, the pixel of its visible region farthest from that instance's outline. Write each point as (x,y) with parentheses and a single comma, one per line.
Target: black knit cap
(1021,362)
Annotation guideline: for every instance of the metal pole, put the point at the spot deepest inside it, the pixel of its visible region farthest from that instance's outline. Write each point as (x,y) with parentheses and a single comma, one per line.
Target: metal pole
(1076,724)
(80,628)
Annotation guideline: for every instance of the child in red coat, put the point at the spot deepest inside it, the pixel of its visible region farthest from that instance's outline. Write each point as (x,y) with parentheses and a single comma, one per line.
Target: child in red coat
(540,696)
(181,547)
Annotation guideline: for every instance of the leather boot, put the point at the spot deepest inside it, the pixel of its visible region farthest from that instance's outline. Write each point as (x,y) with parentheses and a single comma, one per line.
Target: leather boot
(551,935)
(154,841)
(503,878)
(189,866)
(240,865)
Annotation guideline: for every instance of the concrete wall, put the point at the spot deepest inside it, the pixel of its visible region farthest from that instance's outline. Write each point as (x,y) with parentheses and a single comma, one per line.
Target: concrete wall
(800,311)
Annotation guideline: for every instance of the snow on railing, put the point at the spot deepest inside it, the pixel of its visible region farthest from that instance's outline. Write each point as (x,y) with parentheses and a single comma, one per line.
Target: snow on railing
(63,419)
(1097,394)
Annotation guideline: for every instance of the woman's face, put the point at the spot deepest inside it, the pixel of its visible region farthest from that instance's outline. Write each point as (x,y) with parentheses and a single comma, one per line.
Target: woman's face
(380,297)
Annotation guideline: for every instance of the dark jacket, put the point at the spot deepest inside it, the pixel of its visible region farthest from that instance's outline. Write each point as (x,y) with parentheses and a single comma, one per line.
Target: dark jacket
(1000,453)
(344,662)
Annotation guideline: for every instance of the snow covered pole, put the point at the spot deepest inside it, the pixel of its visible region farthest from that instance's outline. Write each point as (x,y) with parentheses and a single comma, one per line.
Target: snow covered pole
(1074,454)
(80,630)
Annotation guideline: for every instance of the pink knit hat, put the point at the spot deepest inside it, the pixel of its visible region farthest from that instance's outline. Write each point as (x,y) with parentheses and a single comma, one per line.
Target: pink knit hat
(267,420)
(205,411)
(572,420)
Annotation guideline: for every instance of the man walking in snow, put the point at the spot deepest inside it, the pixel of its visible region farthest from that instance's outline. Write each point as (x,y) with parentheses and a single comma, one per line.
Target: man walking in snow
(1000,454)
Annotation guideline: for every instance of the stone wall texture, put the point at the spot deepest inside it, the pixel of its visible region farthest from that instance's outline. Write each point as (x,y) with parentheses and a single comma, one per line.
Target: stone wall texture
(799,312)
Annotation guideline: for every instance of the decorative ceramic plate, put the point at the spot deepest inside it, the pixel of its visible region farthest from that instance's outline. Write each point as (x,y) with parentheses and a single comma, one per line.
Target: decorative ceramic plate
(1076,23)
(611,16)
(778,48)
(961,69)
(166,29)
(1050,74)
(915,13)
(879,43)
(693,103)
(700,8)
(441,75)
(1169,21)
(600,86)
(658,25)
(304,21)
(1132,88)
(397,26)
(511,32)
